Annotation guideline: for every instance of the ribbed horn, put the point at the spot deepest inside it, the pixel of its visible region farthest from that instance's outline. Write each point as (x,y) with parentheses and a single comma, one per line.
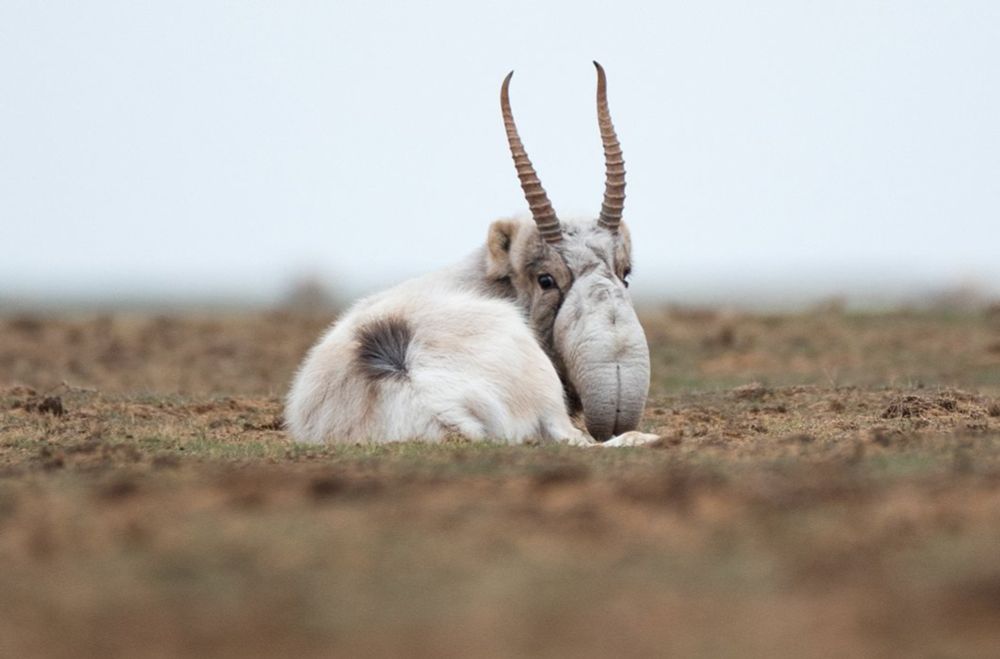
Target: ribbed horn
(614,164)
(538,201)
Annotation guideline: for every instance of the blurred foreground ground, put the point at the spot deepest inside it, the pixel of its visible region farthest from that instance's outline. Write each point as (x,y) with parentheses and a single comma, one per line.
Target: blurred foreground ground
(828,485)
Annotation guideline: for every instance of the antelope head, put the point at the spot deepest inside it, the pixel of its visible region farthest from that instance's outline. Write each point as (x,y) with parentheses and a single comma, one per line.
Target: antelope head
(571,278)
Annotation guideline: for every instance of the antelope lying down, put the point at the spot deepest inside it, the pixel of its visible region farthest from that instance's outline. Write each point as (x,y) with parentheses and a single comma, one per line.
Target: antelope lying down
(533,326)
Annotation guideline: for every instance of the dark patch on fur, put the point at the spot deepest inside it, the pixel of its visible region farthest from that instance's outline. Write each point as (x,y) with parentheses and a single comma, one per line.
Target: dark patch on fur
(382,346)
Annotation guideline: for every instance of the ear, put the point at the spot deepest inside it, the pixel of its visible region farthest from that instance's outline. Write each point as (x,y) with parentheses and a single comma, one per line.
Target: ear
(498,246)
(623,252)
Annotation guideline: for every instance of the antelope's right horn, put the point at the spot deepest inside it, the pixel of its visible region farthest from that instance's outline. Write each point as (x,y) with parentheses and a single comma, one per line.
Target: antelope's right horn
(538,201)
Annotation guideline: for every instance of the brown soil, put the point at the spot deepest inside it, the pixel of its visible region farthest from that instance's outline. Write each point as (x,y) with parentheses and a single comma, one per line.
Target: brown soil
(827,484)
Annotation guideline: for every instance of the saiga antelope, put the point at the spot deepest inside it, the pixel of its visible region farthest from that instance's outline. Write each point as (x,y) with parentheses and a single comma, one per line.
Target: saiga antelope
(532,327)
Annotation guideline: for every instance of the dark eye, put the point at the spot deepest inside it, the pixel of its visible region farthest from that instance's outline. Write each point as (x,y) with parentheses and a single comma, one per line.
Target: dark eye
(626,275)
(546,281)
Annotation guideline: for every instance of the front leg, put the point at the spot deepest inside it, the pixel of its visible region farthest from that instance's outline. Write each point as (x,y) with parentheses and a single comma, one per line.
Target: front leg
(632,438)
(558,427)
(562,430)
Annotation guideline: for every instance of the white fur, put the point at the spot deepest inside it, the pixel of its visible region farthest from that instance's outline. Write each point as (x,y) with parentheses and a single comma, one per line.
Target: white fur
(474,368)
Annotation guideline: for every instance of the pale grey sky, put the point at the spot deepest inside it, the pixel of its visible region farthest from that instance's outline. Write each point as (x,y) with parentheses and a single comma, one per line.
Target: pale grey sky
(227,147)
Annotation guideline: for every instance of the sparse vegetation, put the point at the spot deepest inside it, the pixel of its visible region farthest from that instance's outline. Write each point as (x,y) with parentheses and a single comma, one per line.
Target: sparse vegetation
(827,484)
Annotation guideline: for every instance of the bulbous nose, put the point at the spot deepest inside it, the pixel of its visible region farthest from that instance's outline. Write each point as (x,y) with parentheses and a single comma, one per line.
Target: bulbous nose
(615,394)
(604,349)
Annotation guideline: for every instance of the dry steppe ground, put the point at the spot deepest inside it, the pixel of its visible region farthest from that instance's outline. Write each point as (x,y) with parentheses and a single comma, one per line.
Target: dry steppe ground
(828,484)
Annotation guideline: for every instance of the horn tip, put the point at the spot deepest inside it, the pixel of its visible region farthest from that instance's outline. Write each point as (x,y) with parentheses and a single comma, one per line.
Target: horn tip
(503,89)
